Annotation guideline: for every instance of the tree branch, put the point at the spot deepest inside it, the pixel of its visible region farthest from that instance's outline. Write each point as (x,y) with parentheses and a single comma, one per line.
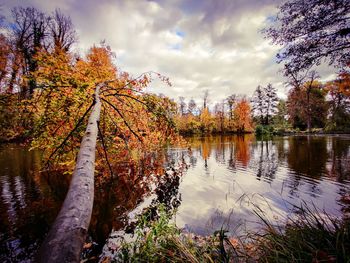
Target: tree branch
(121,115)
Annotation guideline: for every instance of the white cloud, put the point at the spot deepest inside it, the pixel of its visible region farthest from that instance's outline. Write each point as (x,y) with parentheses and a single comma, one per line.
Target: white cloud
(199,45)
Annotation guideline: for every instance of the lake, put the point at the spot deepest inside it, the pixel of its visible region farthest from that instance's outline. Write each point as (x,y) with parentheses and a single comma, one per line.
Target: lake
(219,183)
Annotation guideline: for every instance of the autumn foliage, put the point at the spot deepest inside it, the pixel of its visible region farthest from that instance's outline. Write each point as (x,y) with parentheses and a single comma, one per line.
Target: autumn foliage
(132,122)
(241,113)
(236,118)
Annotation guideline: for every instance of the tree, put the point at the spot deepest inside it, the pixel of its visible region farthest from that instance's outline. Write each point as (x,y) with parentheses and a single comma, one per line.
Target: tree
(62,31)
(309,86)
(4,60)
(265,103)
(206,120)
(271,101)
(231,100)
(339,93)
(307,107)
(29,33)
(182,105)
(241,113)
(219,116)
(129,116)
(280,119)
(343,83)
(205,99)
(310,31)
(258,103)
(192,107)
(68,233)
(32,32)
(126,120)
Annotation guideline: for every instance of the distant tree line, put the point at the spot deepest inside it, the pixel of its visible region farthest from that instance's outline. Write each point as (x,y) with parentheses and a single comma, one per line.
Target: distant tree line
(309,105)
(231,115)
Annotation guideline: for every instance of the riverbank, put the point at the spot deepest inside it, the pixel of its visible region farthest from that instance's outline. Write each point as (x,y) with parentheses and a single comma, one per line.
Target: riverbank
(279,132)
(311,236)
(275,133)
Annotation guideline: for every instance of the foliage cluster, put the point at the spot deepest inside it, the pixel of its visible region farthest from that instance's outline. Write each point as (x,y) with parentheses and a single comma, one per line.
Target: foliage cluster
(311,31)
(237,118)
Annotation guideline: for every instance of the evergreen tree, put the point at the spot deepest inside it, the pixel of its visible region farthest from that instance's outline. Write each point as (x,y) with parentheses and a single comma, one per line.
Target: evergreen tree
(270,102)
(258,104)
(264,103)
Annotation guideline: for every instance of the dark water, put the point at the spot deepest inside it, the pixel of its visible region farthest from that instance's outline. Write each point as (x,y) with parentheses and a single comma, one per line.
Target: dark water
(29,202)
(224,179)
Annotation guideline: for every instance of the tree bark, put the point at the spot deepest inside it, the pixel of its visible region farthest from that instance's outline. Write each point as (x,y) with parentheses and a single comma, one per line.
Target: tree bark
(67,235)
(308,111)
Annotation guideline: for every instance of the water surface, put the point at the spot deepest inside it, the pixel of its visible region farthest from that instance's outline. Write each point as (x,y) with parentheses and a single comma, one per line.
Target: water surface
(218,183)
(230,177)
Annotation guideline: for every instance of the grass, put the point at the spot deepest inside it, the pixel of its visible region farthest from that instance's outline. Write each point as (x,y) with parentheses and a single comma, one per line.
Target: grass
(161,241)
(310,236)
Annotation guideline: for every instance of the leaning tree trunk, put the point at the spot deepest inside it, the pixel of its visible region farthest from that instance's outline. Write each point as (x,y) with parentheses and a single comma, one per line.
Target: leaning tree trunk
(67,235)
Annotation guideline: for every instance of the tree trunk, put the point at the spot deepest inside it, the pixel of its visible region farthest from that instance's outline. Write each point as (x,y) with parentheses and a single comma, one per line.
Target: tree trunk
(67,235)
(267,114)
(308,111)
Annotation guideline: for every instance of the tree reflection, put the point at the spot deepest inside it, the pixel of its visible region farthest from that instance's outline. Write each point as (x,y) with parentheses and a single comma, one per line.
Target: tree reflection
(238,148)
(116,198)
(267,163)
(206,150)
(340,161)
(307,156)
(30,199)
(220,147)
(242,150)
(27,205)
(339,170)
(231,158)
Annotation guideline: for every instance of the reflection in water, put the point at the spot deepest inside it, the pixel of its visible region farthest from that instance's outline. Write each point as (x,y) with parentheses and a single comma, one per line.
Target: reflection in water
(307,155)
(339,165)
(30,199)
(267,161)
(137,186)
(224,177)
(275,174)
(27,206)
(242,153)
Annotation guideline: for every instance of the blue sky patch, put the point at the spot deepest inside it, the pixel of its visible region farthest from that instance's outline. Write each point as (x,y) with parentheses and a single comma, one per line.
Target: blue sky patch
(180,33)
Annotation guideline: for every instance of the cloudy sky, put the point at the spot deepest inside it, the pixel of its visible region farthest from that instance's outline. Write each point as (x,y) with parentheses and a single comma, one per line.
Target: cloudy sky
(213,45)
